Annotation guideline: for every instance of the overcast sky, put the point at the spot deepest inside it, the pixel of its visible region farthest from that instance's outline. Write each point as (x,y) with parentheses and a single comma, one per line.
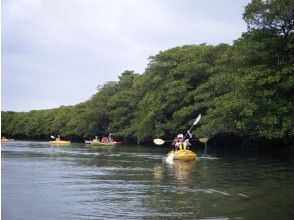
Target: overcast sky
(56,52)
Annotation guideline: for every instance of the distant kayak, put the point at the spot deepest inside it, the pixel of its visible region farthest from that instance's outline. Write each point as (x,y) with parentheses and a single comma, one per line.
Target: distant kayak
(184,155)
(5,140)
(95,142)
(112,143)
(59,142)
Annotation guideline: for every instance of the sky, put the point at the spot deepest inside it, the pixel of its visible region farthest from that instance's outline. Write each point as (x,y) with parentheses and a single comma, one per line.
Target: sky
(56,52)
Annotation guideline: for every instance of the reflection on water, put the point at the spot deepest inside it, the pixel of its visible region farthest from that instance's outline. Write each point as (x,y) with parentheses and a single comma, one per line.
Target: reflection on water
(133,182)
(158,173)
(183,171)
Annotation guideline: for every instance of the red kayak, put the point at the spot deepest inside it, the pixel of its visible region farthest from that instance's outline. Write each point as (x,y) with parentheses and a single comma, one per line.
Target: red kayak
(112,143)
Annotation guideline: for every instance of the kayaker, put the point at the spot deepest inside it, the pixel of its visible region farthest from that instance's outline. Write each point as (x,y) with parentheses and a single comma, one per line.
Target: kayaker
(58,138)
(109,138)
(96,139)
(104,140)
(180,144)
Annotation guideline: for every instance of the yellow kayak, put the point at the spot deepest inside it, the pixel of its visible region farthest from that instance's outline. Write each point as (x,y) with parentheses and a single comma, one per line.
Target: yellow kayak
(59,142)
(5,140)
(184,155)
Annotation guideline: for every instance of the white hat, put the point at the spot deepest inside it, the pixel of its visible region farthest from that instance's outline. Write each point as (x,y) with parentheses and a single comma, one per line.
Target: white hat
(180,136)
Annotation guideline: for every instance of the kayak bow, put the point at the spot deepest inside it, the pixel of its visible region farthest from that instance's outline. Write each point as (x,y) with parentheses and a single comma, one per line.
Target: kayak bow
(184,155)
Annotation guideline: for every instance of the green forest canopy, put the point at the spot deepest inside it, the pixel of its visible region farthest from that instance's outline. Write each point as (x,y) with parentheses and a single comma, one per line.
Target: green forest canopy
(244,89)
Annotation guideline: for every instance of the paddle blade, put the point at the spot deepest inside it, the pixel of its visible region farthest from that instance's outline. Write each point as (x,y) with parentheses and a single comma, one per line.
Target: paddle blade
(170,157)
(158,141)
(52,137)
(197,119)
(204,140)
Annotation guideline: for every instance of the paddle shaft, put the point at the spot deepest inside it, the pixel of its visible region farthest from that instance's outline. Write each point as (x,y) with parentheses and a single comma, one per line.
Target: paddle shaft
(189,130)
(192,139)
(160,142)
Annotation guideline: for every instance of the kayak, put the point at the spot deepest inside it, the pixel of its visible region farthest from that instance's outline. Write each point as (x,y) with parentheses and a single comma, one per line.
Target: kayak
(184,155)
(113,143)
(5,140)
(59,142)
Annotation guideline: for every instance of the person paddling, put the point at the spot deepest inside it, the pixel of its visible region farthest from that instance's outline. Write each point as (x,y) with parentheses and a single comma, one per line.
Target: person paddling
(109,138)
(96,139)
(180,144)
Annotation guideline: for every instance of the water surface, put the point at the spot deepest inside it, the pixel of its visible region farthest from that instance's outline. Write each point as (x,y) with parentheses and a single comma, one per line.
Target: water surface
(41,181)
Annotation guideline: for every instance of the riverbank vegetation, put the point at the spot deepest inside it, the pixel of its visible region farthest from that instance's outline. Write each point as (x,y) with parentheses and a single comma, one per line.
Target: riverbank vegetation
(243,90)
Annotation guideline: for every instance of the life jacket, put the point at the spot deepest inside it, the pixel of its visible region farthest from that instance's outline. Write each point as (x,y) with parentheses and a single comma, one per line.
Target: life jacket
(105,140)
(182,146)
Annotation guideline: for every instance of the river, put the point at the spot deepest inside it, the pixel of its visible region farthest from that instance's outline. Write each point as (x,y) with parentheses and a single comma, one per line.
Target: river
(41,181)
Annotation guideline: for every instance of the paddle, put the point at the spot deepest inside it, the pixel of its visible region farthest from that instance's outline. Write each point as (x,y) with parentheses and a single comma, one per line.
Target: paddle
(205,149)
(195,122)
(57,139)
(158,141)
(170,157)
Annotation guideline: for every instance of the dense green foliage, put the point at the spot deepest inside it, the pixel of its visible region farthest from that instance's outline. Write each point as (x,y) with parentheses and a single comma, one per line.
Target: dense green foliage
(245,90)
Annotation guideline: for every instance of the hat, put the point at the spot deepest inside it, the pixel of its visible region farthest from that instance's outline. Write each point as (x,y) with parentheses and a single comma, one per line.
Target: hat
(180,136)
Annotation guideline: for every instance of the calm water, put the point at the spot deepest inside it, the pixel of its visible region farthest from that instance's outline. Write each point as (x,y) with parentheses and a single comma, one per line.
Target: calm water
(40,181)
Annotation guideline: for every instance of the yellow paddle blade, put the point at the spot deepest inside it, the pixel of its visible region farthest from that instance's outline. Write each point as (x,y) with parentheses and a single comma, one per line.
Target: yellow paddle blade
(204,140)
(158,141)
